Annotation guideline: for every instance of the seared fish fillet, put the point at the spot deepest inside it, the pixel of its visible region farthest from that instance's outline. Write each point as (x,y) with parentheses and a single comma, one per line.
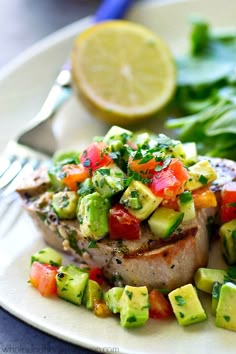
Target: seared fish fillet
(147,261)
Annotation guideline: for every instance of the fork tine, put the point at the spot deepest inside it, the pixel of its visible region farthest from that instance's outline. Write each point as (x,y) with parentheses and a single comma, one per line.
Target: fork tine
(11,215)
(5,164)
(12,171)
(28,166)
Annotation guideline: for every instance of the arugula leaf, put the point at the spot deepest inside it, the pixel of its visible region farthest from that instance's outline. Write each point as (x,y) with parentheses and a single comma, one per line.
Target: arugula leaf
(206,91)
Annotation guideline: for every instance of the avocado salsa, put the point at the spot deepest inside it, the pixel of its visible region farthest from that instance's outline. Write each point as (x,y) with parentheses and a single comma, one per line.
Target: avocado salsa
(119,182)
(124,179)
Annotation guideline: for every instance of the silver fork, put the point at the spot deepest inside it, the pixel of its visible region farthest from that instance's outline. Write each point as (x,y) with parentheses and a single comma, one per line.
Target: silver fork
(29,150)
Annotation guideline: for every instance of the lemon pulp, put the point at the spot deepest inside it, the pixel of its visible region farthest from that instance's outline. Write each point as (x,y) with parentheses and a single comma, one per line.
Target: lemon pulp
(123,71)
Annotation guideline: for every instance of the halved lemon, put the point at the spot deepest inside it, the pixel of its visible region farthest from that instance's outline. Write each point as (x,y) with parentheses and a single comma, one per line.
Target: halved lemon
(123,71)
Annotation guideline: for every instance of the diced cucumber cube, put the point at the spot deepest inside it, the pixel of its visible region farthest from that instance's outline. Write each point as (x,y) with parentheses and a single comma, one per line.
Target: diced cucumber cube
(164,221)
(71,283)
(92,292)
(112,298)
(186,205)
(47,256)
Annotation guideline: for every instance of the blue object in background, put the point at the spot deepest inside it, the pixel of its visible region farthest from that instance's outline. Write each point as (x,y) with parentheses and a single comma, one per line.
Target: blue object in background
(112,9)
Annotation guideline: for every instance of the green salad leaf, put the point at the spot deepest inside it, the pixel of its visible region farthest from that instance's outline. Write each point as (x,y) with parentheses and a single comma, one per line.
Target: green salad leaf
(206,93)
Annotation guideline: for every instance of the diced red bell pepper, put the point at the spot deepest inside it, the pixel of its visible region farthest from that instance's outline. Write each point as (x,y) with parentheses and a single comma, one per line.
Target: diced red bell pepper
(123,225)
(228,206)
(96,274)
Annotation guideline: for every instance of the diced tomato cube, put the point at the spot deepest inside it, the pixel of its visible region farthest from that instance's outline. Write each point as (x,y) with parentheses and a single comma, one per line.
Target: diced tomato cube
(95,156)
(228,206)
(123,225)
(146,169)
(43,277)
(96,274)
(169,182)
(160,307)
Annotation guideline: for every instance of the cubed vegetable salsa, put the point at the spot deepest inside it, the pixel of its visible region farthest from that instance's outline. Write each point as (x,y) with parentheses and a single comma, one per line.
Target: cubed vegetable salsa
(112,187)
(124,179)
(135,305)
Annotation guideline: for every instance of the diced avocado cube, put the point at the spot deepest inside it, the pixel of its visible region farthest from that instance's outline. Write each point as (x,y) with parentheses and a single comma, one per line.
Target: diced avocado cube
(178,151)
(191,155)
(112,298)
(201,173)
(225,311)
(144,138)
(47,256)
(134,306)
(186,206)
(117,133)
(228,241)
(164,221)
(92,214)
(86,187)
(139,200)
(92,292)
(65,204)
(215,297)
(71,283)
(55,175)
(186,305)
(205,278)
(109,180)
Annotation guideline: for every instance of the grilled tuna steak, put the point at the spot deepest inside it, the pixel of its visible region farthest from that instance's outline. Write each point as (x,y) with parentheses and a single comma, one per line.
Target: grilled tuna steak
(148,261)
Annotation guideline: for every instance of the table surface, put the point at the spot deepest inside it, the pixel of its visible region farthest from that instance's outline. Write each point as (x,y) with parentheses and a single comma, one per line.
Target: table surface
(23,23)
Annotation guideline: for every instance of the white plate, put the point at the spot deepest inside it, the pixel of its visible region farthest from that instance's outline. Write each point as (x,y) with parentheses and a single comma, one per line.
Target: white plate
(23,86)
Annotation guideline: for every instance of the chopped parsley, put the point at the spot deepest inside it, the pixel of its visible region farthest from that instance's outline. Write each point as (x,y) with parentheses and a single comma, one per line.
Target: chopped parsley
(129,294)
(92,244)
(227,318)
(185,197)
(203,180)
(65,201)
(180,300)
(131,319)
(166,163)
(216,290)
(104,171)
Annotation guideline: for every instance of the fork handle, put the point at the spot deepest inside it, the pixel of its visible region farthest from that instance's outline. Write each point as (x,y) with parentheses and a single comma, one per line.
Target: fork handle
(112,9)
